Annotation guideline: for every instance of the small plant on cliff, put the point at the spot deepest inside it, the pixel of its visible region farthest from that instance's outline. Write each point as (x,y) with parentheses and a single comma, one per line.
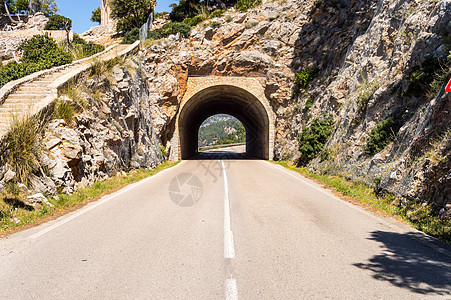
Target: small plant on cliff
(194,20)
(379,137)
(304,77)
(64,110)
(170,28)
(244,5)
(364,96)
(313,138)
(217,13)
(308,103)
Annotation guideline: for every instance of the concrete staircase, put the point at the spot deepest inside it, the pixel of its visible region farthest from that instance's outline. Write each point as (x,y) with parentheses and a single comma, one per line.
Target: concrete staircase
(27,97)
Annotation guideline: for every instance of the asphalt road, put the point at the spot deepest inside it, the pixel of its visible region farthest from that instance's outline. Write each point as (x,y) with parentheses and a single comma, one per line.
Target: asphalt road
(215,229)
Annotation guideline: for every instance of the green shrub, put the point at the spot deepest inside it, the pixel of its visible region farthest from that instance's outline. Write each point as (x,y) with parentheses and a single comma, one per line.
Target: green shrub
(43,49)
(313,138)
(215,24)
(58,22)
(308,103)
(89,48)
(168,29)
(194,20)
(131,36)
(174,28)
(304,77)
(154,35)
(428,78)
(161,15)
(39,53)
(244,5)
(379,137)
(217,13)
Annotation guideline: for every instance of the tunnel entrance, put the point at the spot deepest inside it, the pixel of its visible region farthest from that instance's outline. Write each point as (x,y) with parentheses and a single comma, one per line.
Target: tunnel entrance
(242,98)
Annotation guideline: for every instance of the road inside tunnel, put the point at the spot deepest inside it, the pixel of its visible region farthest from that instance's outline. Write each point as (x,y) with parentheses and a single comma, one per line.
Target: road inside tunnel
(230,100)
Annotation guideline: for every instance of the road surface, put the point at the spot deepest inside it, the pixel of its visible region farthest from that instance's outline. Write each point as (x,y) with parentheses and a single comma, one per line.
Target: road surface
(223,229)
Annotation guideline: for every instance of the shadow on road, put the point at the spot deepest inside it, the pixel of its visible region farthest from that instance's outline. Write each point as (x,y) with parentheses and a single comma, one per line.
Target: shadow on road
(408,264)
(220,154)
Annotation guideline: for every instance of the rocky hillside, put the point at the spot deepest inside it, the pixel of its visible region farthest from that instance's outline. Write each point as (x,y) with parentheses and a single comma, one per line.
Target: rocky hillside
(101,127)
(370,64)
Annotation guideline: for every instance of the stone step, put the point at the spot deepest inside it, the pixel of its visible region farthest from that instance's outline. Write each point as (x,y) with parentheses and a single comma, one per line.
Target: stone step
(17,105)
(35,91)
(31,88)
(26,96)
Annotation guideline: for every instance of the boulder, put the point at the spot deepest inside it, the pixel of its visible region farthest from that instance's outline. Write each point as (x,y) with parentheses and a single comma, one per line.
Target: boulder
(38,199)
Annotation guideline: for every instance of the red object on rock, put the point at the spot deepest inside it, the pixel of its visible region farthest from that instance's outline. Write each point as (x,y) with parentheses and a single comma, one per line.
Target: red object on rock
(448,87)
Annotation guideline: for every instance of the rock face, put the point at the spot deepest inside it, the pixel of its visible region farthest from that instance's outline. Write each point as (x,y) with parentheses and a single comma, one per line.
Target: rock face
(10,40)
(115,134)
(112,132)
(362,53)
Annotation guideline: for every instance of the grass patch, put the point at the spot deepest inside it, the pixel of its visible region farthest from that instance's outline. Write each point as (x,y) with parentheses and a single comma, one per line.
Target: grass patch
(24,146)
(64,110)
(418,215)
(66,203)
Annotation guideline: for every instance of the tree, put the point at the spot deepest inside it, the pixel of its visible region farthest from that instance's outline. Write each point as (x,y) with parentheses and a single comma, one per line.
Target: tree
(185,9)
(96,15)
(131,14)
(58,22)
(47,7)
(7,8)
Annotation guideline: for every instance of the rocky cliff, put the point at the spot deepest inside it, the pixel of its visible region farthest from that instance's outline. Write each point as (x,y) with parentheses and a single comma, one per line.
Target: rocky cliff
(369,62)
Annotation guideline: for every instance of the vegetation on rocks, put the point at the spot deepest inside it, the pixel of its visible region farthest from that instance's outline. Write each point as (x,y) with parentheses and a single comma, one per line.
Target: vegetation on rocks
(39,53)
(24,146)
(304,77)
(313,138)
(170,28)
(244,5)
(379,137)
(42,52)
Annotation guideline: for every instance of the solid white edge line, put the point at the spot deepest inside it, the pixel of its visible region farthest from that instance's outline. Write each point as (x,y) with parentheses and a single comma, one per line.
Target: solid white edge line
(99,202)
(231,290)
(229,249)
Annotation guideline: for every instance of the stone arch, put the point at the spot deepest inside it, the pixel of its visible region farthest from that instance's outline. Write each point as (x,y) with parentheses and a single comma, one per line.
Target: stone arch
(241,97)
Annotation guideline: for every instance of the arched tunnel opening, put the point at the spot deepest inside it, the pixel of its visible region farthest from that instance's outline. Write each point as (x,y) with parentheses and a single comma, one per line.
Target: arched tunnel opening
(230,100)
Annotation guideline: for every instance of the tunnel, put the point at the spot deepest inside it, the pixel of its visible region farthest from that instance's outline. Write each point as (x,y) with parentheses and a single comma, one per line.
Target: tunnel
(225,99)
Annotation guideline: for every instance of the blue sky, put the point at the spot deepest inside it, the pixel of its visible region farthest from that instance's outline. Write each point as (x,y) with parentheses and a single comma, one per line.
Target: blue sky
(79,11)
